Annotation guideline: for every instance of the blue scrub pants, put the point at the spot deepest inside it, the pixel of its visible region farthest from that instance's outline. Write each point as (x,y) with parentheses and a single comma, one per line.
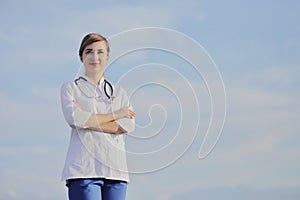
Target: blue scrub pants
(96,189)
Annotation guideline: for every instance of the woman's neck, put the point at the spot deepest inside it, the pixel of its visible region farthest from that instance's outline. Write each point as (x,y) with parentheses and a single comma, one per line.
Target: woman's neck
(95,78)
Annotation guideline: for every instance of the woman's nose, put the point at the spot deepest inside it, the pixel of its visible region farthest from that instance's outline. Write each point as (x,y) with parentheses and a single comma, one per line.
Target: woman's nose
(95,56)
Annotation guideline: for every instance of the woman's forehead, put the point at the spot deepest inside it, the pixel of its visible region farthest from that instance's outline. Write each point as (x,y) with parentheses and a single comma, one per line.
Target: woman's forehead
(97,45)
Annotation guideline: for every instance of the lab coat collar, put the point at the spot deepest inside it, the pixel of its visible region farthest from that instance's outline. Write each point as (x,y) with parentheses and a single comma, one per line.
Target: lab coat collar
(90,81)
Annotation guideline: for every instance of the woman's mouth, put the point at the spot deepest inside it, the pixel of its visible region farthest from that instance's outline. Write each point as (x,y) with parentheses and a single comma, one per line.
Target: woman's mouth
(94,64)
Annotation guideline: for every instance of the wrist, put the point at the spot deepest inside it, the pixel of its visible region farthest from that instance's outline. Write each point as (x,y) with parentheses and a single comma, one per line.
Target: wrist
(116,115)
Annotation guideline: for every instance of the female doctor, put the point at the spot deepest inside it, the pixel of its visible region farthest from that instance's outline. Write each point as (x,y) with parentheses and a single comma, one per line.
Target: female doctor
(99,115)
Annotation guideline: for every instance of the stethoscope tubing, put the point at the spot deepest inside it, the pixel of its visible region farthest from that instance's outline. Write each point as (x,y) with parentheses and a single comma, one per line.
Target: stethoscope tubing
(106,83)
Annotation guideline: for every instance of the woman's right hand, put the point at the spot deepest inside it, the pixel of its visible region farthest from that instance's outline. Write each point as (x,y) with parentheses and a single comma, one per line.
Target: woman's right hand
(124,112)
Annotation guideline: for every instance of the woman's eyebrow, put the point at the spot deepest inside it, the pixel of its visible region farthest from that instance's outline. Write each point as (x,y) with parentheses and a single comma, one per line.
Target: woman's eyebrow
(100,49)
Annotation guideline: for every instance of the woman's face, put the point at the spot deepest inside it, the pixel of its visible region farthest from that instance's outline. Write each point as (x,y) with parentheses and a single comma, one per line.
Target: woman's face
(95,57)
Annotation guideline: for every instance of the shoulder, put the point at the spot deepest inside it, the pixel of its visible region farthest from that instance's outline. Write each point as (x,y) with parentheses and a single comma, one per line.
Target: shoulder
(119,91)
(67,86)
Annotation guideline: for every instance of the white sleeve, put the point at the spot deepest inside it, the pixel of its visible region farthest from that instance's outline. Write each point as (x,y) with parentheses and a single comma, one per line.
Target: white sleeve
(126,123)
(74,115)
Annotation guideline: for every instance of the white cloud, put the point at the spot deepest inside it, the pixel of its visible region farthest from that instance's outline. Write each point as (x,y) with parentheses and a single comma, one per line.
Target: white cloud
(38,116)
(46,93)
(11,194)
(241,192)
(255,145)
(280,75)
(12,151)
(16,184)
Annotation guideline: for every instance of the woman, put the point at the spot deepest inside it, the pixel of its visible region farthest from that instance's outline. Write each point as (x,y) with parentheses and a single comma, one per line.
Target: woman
(99,114)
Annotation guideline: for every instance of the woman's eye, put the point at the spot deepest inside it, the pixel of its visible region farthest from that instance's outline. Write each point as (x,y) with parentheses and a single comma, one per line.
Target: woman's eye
(91,52)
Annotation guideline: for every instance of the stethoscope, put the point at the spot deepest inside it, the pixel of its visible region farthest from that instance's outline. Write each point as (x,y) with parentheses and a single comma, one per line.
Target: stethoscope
(106,84)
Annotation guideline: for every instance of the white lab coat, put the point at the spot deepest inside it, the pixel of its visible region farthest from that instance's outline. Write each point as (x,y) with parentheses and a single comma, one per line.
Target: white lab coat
(94,154)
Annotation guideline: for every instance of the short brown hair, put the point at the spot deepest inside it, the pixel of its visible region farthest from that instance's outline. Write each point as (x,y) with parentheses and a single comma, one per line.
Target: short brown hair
(90,39)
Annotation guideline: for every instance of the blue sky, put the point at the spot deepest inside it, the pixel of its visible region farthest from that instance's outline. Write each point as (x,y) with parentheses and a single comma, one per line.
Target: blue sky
(254,45)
